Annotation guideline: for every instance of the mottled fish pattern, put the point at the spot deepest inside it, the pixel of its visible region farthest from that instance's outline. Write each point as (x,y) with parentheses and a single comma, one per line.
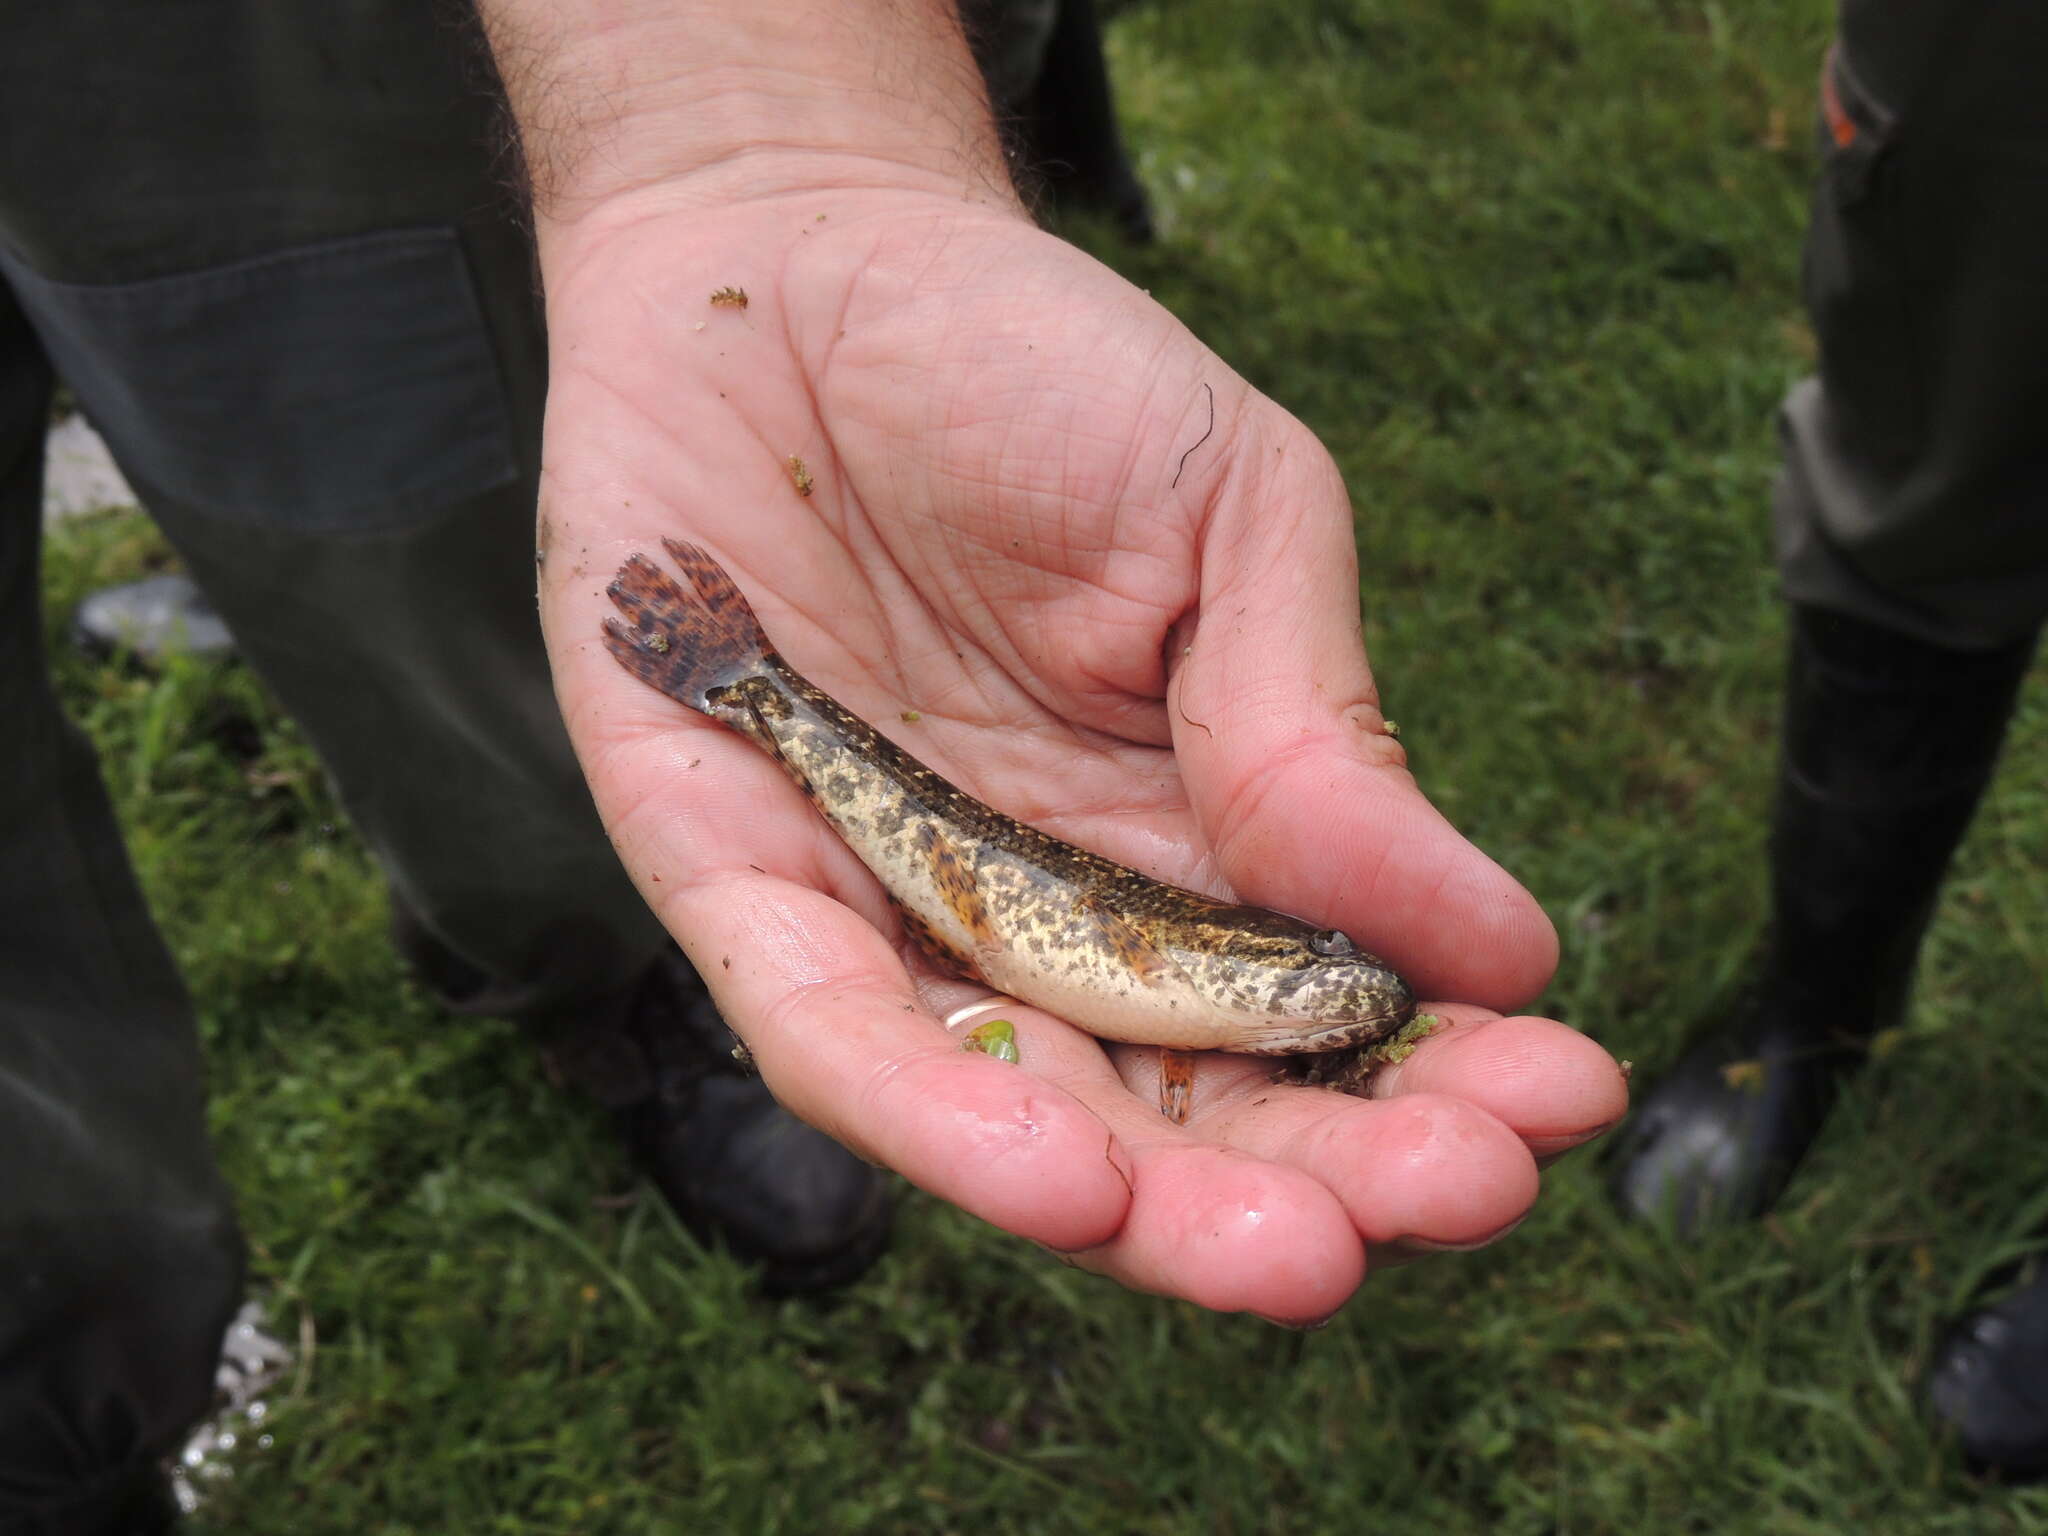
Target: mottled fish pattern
(1118,954)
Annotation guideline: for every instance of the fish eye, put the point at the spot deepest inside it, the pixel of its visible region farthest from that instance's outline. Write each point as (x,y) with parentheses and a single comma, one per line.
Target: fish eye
(1329,941)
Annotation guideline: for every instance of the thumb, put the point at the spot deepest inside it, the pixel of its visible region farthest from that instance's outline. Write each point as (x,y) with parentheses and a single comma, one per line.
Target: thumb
(1277,726)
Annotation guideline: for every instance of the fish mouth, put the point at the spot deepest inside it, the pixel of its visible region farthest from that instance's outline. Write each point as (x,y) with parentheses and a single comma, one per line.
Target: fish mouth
(1342,1036)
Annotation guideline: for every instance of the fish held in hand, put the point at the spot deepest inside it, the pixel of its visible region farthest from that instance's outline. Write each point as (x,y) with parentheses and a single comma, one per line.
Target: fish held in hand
(1115,953)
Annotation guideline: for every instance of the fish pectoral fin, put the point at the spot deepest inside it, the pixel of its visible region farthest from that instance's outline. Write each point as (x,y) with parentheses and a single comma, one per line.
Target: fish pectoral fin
(952,872)
(1144,959)
(934,946)
(1176,1084)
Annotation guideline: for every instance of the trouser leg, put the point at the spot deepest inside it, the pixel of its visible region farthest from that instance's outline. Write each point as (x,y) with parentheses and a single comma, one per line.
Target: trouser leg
(1043,64)
(1915,489)
(1071,126)
(122,1263)
(1912,521)
(321,365)
(348,469)
(414,664)
(312,339)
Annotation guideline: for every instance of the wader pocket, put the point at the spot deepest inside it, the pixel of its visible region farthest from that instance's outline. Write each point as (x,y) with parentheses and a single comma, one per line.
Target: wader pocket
(347,386)
(1855,276)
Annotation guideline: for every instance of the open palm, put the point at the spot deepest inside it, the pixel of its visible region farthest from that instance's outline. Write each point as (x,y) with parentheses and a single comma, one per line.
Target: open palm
(1061,553)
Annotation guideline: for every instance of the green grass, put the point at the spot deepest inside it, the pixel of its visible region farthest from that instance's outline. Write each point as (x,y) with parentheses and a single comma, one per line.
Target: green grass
(1529,269)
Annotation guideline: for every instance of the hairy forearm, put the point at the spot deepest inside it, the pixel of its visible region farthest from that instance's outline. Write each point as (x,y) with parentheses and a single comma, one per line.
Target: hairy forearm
(712,101)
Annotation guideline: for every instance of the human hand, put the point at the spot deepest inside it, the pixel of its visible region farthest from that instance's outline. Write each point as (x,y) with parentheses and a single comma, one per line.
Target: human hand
(1112,616)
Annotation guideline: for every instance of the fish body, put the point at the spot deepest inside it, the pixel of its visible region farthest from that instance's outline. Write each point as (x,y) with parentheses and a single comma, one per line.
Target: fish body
(1100,945)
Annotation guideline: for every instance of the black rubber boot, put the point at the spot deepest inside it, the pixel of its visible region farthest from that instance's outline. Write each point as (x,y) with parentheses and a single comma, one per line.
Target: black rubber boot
(1887,745)
(1989,1383)
(737,1167)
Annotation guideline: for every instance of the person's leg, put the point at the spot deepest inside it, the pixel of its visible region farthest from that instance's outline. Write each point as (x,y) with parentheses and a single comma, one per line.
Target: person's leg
(122,1262)
(311,337)
(1912,522)
(1043,64)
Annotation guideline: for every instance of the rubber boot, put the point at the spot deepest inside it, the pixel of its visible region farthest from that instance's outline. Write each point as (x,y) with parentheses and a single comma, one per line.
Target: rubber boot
(1887,745)
(739,1169)
(733,1163)
(1989,1383)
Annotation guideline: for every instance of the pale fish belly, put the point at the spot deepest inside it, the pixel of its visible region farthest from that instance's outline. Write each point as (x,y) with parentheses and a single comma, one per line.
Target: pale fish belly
(1053,952)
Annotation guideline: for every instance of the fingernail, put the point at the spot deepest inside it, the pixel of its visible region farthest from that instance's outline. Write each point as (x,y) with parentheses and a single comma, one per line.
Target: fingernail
(1067,1256)
(1547,1149)
(1425,1245)
(1314,1326)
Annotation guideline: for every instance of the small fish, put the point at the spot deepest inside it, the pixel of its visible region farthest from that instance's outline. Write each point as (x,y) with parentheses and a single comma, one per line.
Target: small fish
(1118,954)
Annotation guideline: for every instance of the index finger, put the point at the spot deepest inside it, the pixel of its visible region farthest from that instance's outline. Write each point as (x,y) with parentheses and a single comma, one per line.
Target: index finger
(832,1019)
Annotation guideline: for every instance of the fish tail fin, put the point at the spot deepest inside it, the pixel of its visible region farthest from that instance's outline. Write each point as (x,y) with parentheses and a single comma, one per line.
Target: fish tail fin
(684,638)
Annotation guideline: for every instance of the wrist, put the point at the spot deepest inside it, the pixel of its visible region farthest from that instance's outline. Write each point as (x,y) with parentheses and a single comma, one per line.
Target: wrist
(626,107)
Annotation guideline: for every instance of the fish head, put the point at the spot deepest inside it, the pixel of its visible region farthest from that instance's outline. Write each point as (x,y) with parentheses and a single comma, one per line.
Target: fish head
(1308,988)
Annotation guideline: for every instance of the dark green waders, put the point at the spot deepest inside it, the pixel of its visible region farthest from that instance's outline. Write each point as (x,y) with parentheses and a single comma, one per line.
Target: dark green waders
(1912,521)
(1915,491)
